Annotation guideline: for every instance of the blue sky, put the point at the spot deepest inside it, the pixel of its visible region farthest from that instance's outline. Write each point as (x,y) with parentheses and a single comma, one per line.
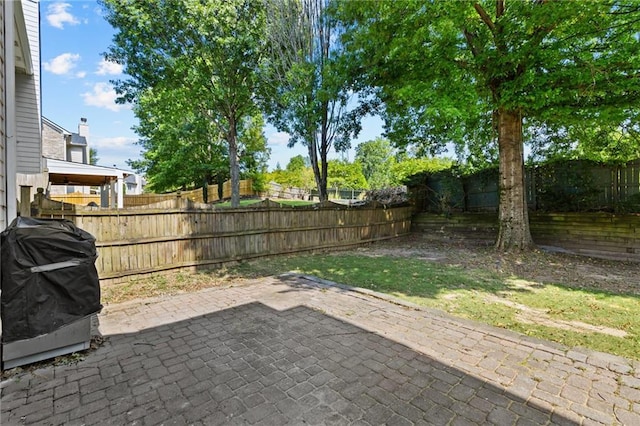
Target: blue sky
(75,84)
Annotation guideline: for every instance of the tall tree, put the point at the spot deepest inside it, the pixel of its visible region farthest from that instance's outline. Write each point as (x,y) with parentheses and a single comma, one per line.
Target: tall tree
(209,50)
(306,96)
(346,175)
(377,159)
(181,147)
(471,72)
(253,150)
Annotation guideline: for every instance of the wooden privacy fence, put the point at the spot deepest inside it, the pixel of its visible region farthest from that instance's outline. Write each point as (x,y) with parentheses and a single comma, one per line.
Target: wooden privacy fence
(603,235)
(76,198)
(576,185)
(246,189)
(135,242)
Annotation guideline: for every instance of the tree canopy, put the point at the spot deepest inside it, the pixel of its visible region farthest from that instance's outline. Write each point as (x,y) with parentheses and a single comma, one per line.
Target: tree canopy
(346,175)
(304,93)
(377,158)
(474,73)
(204,56)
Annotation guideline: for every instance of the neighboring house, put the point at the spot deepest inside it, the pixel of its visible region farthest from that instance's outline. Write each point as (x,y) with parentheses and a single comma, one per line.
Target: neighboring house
(135,184)
(20,140)
(61,147)
(23,168)
(61,144)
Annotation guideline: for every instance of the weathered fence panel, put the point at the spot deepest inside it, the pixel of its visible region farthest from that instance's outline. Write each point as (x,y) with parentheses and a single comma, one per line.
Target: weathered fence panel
(603,235)
(565,186)
(76,198)
(132,242)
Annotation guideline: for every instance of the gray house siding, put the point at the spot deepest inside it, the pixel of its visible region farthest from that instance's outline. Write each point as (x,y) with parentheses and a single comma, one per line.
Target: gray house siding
(3,107)
(29,149)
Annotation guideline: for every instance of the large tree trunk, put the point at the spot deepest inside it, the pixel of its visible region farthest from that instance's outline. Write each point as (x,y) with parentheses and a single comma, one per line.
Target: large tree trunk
(513,215)
(234,164)
(319,171)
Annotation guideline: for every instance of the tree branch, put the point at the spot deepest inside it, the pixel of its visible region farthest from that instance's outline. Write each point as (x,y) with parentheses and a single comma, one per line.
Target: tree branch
(485,17)
(469,38)
(499,8)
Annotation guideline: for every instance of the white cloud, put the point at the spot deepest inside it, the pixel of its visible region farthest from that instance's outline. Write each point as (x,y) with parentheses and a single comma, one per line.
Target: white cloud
(278,138)
(114,142)
(81,74)
(108,68)
(103,95)
(57,15)
(62,64)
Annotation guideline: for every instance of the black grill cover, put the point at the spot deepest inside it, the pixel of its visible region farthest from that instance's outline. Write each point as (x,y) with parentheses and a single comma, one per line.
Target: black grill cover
(49,278)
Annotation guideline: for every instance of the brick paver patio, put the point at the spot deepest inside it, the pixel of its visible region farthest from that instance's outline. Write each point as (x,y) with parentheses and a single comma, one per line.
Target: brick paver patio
(294,350)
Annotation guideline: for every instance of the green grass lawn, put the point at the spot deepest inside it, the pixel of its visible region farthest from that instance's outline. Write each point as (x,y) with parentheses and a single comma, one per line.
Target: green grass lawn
(547,311)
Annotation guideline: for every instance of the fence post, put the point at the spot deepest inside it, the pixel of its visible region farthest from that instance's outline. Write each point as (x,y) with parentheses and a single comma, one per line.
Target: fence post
(38,199)
(25,201)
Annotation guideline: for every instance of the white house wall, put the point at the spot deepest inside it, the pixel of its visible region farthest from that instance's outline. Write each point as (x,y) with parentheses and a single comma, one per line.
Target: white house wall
(28,114)
(76,154)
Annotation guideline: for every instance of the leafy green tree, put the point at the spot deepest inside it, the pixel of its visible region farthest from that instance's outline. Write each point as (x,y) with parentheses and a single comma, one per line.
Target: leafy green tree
(93,156)
(346,175)
(377,159)
(181,148)
(296,164)
(603,144)
(209,52)
(253,150)
(470,72)
(306,97)
(406,167)
(297,174)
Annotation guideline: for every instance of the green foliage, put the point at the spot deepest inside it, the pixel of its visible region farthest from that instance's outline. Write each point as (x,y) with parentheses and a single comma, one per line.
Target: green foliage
(376,158)
(472,73)
(296,175)
(200,58)
(252,146)
(345,175)
(93,156)
(296,164)
(259,181)
(181,148)
(402,171)
(442,68)
(610,144)
(383,167)
(306,96)
(566,186)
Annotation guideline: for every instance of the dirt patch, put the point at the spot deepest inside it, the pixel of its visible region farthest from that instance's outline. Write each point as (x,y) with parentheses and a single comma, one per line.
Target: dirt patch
(536,266)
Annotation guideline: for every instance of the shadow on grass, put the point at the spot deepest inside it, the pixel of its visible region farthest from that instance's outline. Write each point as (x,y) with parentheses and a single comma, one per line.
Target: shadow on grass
(590,318)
